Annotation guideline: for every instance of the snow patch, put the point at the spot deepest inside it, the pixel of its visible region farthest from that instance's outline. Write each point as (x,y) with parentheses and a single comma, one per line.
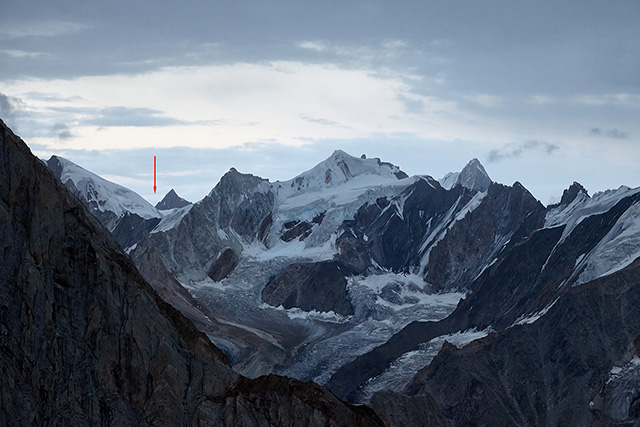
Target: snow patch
(293,249)
(297,313)
(399,291)
(398,375)
(449,180)
(171,219)
(528,319)
(617,372)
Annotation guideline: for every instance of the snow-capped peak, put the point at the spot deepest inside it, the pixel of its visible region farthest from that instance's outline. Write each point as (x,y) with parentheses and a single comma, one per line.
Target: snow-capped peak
(336,170)
(473,176)
(102,196)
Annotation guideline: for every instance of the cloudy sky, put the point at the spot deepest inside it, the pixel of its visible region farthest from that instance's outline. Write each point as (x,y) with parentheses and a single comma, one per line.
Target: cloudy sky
(545,92)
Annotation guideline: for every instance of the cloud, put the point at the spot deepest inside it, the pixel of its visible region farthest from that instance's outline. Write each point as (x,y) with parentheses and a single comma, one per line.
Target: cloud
(412,104)
(608,133)
(51,28)
(324,122)
(542,100)
(11,109)
(61,131)
(608,99)
(133,117)
(317,45)
(235,103)
(485,100)
(517,150)
(6,109)
(371,55)
(21,53)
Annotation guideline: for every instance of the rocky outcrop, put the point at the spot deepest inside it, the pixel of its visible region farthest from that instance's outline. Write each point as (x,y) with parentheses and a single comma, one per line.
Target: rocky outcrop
(132,228)
(171,201)
(399,410)
(277,401)
(226,262)
(84,340)
(570,194)
(311,286)
(471,244)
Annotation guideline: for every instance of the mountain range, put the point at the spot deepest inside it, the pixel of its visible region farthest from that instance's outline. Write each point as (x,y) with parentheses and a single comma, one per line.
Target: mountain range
(458,301)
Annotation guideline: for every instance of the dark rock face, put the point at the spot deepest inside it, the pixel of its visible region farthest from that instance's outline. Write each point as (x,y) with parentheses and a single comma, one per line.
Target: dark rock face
(394,237)
(471,244)
(132,228)
(556,371)
(290,405)
(172,201)
(570,194)
(84,340)
(226,262)
(299,230)
(398,410)
(310,286)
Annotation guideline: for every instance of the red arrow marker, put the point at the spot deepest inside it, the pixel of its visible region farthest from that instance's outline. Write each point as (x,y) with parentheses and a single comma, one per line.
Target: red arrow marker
(154,174)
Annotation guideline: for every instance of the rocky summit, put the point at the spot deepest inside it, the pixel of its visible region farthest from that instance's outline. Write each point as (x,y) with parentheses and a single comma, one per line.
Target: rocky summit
(84,339)
(171,201)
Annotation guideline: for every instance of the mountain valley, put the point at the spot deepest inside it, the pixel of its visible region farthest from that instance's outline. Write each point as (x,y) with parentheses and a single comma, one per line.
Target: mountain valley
(461,301)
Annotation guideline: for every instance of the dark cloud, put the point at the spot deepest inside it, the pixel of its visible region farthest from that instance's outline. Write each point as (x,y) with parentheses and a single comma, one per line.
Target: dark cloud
(517,150)
(479,48)
(609,133)
(61,131)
